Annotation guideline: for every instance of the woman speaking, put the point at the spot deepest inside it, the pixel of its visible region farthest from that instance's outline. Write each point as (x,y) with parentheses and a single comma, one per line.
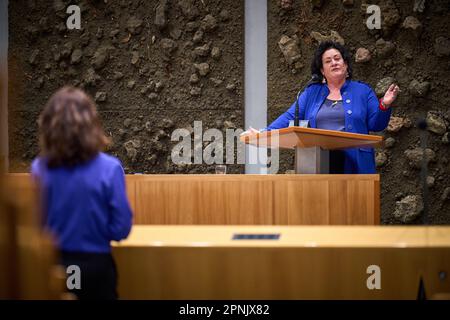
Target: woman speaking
(336,102)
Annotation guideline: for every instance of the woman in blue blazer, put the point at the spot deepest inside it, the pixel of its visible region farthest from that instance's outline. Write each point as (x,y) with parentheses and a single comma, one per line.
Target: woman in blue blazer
(338,103)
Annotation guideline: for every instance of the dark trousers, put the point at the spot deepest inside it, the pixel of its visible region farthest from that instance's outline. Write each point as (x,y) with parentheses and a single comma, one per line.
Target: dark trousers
(337,161)
(98,275)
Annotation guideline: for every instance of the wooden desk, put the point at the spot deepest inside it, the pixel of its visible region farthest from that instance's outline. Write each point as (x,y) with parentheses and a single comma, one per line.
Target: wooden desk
(252,199)
(320,262)
(255,199)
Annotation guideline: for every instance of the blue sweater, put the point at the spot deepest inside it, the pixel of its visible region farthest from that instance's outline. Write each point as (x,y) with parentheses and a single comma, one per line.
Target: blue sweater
(85,206)
(362,114)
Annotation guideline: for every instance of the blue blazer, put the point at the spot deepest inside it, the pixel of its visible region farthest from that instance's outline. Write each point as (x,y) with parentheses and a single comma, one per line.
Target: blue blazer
(362,114)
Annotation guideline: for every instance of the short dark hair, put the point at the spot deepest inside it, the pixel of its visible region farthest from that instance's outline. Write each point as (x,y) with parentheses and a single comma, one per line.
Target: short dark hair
(316,64)
(70,132)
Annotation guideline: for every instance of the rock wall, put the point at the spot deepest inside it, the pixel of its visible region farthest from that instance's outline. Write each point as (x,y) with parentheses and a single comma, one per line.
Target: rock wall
(152,67)
(412,48)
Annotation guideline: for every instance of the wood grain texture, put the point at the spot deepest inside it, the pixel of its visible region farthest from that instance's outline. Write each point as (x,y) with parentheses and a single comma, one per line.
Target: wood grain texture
(252,199)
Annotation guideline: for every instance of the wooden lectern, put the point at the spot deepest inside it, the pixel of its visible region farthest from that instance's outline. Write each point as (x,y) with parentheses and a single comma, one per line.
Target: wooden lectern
(311,145)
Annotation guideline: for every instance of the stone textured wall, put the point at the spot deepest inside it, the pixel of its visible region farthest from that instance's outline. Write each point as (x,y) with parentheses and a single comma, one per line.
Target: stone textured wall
(412,48)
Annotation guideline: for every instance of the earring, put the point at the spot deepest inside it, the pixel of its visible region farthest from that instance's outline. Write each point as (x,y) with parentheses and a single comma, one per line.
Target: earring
(324,80)
(347,75)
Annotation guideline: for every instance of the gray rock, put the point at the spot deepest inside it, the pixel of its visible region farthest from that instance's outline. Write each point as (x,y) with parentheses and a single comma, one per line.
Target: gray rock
(195,91)
(160,14)
(391,17)
(100,58)
(58,5)
(362,55)
(229,125)
(430,181)
(203,68)
(134,57)
(194,78)
(153,96)
(168,45)
(131,148)
(134,25)
(445,194)
(215,53)
(127,122)
(198,36)
(167,123)
(389,143)
(159,85)
(415,157)
(383,85)
(286,4)
(114,33)
(395,124)
(380,159)
(188,9)
(202,51)
(413,24)
(99,33)
(34,57)
(117,75)
(408,209)
(224,15)
(217,82)
(91,78)
(191,26)
(209,23)
(76,56)
(442,47)
(435,123)
(175,33)
(445,139)
(384,48)
(316,3)
(347,3)
(131,84)
(419,5)
(231,87)
(289,48)
(100,96)
(334,36)
(419,89)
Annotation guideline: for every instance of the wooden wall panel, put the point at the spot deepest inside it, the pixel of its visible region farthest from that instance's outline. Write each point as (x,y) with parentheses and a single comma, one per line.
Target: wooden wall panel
(204,200)
(306,263)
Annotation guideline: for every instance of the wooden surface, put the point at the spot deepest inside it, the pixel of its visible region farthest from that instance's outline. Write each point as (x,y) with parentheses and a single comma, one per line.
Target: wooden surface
(321,262)
(291,137)
(252,199)
(256,199)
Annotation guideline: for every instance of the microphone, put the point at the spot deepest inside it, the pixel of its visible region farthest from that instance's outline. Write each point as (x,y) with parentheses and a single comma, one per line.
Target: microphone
(314,79)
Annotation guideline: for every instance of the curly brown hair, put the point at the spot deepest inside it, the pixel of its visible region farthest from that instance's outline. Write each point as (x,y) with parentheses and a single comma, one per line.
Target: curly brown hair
(70,131)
